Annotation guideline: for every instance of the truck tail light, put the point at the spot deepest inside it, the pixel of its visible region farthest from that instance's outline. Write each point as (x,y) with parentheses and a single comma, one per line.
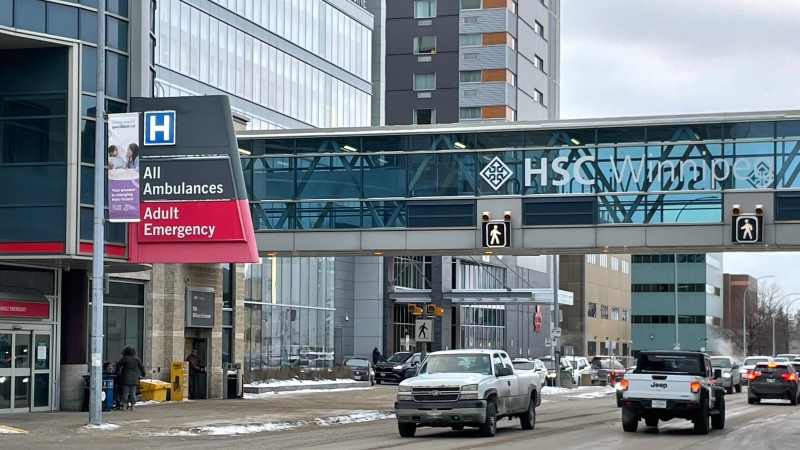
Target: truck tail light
(753,374)
(623,385)
(695,387)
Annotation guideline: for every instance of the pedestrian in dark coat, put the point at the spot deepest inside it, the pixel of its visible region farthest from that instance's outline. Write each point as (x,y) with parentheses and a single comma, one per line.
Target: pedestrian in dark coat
(129,369)
(376,356)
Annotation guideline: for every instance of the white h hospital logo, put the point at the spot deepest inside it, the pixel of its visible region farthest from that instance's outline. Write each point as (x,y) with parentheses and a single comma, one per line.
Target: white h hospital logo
(159,128)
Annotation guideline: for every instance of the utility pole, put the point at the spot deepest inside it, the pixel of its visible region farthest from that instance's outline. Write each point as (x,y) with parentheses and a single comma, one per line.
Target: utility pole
(98,238)
(424,350)
(556,317)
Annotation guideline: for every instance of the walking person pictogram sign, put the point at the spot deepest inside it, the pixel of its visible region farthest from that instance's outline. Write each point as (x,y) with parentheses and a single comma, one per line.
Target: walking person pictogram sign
(423,330)
(748,229)
(496,234)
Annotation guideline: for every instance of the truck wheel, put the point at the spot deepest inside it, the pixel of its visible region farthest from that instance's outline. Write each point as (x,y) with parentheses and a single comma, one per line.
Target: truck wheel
(793,400)
(407,429)
(752,399)
(739,388)
(718,421)
(489,426)
(729,390)
(629,421)
(528,420)
(701,419)
(378,381)
(651,421)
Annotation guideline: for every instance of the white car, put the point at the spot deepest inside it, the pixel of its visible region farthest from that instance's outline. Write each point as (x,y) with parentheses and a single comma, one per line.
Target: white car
(580,366)
(531,365)
(467,388)
(749,364)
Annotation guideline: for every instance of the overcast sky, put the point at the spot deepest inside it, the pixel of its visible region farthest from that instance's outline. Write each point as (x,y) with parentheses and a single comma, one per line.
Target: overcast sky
(635,57)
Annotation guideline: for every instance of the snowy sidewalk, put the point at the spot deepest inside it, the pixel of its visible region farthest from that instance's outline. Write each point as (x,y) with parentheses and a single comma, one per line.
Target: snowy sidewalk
(296,385)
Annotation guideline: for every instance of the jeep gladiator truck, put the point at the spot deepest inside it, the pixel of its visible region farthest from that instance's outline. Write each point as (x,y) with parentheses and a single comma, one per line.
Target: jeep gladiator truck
(467,388)
(670,385)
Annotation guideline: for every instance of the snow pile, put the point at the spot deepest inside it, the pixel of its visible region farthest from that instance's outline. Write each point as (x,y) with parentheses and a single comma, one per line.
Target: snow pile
(354,417)
(102,426)
(552,390)
(9,431)
(301,391)
(226,430)
(298,382)
(608,390)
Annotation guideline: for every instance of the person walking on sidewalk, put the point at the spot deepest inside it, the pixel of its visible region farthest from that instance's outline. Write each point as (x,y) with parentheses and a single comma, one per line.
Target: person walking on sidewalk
(195,369)
(129,369)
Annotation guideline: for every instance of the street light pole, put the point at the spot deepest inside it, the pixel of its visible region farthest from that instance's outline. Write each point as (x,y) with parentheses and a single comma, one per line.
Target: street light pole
(773,317)
(744,313)
(98,236)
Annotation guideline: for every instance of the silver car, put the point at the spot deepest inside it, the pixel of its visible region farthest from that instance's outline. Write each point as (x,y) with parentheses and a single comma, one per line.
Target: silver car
(727,373)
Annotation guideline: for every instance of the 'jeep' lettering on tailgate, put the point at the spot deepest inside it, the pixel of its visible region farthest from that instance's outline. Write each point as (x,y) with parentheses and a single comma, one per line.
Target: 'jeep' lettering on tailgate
(659,385)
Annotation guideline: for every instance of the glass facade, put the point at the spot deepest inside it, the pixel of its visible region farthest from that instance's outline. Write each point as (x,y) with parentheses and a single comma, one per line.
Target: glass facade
(288,315)
(482,326)
(238,61)
(637,174)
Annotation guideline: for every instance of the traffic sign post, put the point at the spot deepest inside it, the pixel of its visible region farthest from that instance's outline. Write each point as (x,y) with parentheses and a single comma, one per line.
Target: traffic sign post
(423,330)
(496,234)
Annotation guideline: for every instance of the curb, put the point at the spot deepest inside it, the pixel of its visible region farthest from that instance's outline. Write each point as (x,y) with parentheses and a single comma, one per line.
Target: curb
(319,387)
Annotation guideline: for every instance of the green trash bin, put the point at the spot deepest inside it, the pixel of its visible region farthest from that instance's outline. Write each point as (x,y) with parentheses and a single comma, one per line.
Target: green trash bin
(602,377)
(566,379)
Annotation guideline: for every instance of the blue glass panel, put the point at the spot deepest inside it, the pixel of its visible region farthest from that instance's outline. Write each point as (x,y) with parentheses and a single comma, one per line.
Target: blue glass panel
(749,130)
(87,141)
(788,128)
(88,26)
(62,20)
(384,176)
(30,15)
(788,164)
(272,178)
(92,3)
(33,224)
(33,105)
(118,7)
(388,214)
(441,174)
(88,105)
(33,70)
(117,34)
(87,185)
(506,139)
(114,232)
(272,216)
(661,208)
(116,75)
(329,215)
(554,171)
(33,140)
(384,143)
(7,12)
(33,185)
(504,176)
(324,177)
(89,68)
(114,107)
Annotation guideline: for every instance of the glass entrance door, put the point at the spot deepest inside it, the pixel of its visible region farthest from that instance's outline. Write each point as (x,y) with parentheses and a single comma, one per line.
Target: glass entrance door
(24,371)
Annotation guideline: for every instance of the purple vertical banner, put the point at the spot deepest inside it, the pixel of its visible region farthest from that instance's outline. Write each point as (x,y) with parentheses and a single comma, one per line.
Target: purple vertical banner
(123,167)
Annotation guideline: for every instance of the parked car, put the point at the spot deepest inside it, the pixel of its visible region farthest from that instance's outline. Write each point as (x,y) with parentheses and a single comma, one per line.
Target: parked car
(580,366)
(467,388)
(362,369)
(397,367)
(773,381)
(608,365)
(550,363)
(531,365)
(749,364)
(726,373)
(790,356)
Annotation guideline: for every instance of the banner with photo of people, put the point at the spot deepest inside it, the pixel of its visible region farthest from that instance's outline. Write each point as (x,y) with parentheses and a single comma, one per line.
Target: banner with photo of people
(123,167)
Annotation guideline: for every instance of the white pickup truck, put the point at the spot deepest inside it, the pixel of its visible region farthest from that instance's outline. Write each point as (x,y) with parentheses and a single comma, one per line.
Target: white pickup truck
(672,385)
(467,388)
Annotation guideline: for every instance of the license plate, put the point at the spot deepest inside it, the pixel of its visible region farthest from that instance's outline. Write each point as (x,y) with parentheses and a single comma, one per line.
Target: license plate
(659,404)
(770,380)
(434,415)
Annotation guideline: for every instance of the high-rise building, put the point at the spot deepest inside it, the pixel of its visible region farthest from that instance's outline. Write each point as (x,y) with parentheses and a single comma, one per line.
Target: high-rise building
(283,63)
(736,290)
(471,60)
(698,281)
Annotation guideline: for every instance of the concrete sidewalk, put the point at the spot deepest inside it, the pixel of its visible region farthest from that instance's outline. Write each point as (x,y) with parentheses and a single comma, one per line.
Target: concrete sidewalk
(190,417)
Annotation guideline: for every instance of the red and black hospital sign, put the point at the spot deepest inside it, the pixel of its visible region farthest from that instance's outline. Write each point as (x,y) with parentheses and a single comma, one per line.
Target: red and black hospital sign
(194,205)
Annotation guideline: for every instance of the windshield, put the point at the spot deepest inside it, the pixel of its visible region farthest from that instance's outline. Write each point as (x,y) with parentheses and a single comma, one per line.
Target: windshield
(523,365)
(399,357)
(356,363)
(549,364)
(754,361)
(606,364)
(722,363)
(480,364)
(690,364)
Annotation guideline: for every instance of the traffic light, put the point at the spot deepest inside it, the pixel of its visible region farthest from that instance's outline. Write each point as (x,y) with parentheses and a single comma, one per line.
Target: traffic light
(434,310)
(414,309)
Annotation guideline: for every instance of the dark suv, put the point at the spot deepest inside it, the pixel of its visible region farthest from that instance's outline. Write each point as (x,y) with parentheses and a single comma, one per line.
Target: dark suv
(772,381)
(397,367)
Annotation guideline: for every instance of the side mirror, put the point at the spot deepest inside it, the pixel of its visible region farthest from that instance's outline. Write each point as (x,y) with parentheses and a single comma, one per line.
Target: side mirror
(504,372)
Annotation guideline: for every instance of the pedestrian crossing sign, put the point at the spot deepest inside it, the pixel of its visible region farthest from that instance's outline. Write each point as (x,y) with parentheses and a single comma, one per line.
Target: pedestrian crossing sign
(748,229)
(496,234)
